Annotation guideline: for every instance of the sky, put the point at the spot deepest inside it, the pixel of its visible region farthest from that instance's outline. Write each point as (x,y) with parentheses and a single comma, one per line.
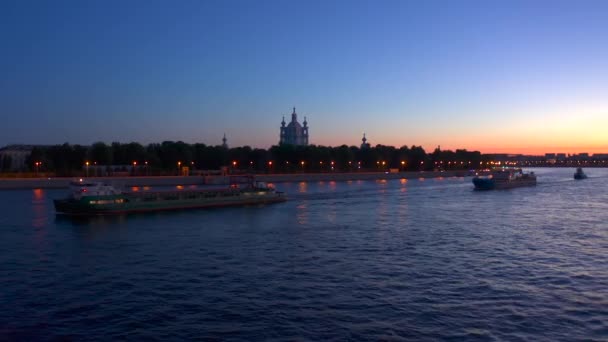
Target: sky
(495,76)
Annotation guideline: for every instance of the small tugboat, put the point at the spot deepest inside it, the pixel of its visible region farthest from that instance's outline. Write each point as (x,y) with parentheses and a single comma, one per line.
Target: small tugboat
(91,198)
(579,174)
(504,179)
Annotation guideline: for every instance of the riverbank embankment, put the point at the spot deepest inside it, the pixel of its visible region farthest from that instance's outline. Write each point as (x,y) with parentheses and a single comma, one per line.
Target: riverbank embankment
(348,176)
(63,182)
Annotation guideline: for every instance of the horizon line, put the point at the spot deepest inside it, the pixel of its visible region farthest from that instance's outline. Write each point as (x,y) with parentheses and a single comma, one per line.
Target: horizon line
(554,150)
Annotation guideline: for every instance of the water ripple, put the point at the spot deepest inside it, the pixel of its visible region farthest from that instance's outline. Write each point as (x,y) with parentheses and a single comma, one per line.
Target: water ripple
(415,260)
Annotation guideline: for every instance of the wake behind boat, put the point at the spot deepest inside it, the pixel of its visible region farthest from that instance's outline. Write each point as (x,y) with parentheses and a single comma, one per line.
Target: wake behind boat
(503,179)
(91,198)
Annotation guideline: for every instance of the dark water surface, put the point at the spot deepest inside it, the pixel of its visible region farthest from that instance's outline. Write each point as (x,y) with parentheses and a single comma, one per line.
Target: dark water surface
(387,260)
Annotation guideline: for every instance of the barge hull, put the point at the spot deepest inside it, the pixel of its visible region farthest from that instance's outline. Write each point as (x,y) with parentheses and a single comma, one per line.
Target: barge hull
(163,201)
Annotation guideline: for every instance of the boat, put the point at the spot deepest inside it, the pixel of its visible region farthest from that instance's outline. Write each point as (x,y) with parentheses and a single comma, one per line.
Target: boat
(98,198)
(503,179)
(579,174)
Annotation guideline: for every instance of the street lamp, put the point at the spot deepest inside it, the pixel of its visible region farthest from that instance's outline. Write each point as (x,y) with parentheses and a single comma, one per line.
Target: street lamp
(179,164)
(87,168)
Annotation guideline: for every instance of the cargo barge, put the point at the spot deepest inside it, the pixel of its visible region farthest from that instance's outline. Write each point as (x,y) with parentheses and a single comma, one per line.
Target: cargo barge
(94,198)
(503,179)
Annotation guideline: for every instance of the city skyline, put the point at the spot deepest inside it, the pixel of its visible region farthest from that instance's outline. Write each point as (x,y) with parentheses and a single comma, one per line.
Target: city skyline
(498,78)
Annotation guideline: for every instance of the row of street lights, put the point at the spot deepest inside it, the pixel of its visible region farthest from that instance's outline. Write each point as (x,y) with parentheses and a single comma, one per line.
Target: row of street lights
(235,163)
(270,163)
(331,163)
(134,163)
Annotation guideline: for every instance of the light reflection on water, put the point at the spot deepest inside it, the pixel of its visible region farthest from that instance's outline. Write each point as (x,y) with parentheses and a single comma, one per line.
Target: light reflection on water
(40,212)
(302,213)
(363,260)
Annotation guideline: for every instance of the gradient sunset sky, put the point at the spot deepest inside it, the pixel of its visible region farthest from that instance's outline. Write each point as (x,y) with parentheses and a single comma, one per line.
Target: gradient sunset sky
(495,76)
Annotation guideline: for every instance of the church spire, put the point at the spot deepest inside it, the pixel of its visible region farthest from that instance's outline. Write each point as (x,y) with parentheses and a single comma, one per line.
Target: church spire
(224,141)
(294,116)
(365,144)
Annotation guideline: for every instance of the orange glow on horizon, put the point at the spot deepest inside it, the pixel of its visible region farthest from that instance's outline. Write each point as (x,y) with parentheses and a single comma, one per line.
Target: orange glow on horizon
(516,146)
(568,127)
(530,144)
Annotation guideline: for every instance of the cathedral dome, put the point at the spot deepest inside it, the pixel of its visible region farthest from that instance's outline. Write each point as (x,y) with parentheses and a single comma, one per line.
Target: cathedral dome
(294,124)
(294,133)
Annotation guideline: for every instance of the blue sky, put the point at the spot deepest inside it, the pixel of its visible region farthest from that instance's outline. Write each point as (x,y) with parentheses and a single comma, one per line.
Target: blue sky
(520,76)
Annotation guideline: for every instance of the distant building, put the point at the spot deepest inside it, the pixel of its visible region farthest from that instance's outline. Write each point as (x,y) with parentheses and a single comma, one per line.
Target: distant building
(294,133)
(13,157)
(224,141)
(364,143)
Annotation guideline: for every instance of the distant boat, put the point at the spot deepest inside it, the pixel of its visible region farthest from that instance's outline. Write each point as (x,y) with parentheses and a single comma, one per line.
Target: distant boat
(91,198)
(503,179)
(579,174)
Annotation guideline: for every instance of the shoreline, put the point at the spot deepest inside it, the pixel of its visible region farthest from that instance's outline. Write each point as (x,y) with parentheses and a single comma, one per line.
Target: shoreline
(63,182)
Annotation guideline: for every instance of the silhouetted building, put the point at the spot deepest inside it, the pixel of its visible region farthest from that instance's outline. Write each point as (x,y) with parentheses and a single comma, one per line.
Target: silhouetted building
(294,133)
(364,143)
(224,141)
(13,157)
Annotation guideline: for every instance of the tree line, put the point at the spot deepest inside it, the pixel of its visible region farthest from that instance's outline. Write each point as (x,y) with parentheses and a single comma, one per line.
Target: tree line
(169,156)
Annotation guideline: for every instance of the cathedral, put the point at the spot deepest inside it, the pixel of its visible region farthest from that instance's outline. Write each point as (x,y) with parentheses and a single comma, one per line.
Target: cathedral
(294,133)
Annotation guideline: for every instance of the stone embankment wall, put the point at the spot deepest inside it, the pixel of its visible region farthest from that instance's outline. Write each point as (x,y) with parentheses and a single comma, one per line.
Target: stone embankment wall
(58,183)
(317,177)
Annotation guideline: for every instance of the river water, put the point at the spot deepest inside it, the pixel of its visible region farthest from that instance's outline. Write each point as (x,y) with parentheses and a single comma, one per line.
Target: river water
(362,260)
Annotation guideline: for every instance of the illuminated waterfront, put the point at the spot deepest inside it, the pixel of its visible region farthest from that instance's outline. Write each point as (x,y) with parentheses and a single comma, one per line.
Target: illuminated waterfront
(391,259)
